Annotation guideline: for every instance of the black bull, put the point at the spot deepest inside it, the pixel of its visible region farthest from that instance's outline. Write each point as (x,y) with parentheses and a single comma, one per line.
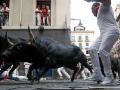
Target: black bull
(4,44)
(46,53)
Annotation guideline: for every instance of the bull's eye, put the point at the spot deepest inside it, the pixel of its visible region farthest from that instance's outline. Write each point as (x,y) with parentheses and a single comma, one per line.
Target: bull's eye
(19,47)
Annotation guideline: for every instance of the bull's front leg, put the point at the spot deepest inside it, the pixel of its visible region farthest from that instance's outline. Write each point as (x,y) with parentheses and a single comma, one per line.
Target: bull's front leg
(29,74)
(43,71)
(76,70)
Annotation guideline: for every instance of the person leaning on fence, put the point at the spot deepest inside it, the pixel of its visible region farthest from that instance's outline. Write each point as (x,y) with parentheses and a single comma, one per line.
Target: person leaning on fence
(48,16)
(44,14)
(108,36)
(5,11)
(38,16)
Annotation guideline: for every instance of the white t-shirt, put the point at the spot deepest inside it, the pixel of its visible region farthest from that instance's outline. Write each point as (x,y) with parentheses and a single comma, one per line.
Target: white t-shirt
(105,19)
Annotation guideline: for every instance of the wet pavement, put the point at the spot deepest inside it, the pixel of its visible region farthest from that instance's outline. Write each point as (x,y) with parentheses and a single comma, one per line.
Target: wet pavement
(78,84)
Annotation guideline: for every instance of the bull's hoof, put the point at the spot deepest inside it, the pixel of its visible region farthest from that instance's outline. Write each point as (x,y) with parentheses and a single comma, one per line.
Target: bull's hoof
(32,82)
(99,82)
(29,77)
(72,80)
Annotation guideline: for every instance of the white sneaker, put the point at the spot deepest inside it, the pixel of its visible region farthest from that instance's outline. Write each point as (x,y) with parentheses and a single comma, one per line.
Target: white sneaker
(107,80)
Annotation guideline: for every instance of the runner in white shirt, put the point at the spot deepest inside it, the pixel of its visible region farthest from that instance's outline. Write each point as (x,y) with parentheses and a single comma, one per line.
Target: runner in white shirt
(108,36)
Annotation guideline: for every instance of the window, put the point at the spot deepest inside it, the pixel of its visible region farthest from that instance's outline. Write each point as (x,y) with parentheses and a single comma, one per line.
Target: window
(43,12)
(73,38)
(87,44)
(86,38)
(80,38)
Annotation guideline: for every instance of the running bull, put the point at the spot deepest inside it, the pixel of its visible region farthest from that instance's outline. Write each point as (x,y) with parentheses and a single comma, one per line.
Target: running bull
(46,53)
(5,43)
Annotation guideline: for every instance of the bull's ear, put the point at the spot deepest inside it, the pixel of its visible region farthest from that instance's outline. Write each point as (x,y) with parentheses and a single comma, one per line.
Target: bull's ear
(31,36)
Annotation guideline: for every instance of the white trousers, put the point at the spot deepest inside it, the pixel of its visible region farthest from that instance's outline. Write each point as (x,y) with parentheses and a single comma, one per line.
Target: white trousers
(103,45)
(38,16)
(62,71)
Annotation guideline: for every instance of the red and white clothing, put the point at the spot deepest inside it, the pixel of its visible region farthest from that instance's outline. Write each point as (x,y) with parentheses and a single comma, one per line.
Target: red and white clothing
(44,14)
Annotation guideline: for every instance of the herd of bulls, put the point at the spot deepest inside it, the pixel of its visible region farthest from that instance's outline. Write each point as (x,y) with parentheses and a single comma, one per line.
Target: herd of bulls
(42,52)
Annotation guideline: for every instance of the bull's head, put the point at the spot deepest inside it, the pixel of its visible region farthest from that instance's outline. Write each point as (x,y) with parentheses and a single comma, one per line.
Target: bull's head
(19,52)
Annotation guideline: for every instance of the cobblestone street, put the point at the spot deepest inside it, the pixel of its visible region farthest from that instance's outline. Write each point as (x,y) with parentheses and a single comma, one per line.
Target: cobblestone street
(56,85)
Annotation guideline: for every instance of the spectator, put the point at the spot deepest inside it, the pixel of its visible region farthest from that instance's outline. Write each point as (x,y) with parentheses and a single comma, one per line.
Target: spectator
(38,15)
(48,16)
(5,10)
(44,14)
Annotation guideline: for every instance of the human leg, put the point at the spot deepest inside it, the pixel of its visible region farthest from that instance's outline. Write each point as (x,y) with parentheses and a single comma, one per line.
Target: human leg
(65,73)
(104,53)
(95,59)
(83,74)
(59,72)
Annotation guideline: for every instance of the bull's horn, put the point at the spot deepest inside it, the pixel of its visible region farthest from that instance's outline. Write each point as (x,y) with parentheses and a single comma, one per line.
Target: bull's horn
(31,36)
(6,37)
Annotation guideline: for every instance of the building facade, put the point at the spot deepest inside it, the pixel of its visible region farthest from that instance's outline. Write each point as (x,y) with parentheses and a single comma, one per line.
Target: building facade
(53,15)
(82,38)
(23,13)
